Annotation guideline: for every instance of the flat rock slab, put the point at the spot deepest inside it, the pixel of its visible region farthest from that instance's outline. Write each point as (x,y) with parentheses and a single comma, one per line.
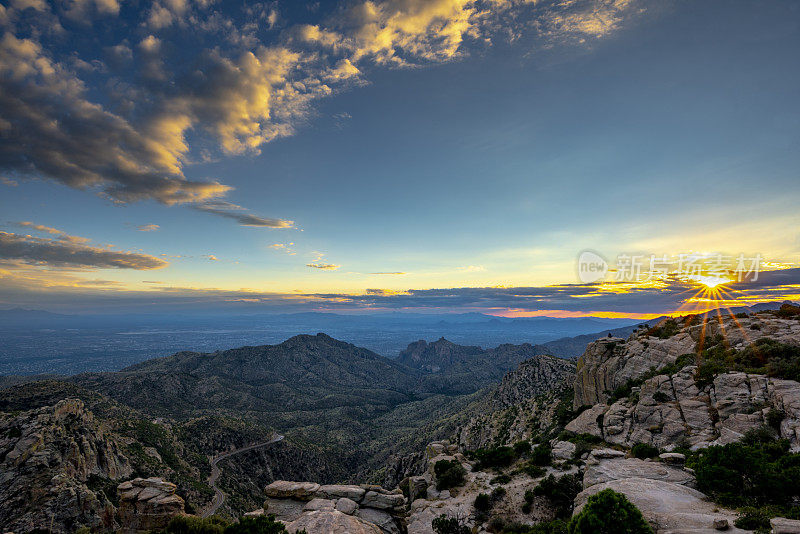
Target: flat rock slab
(667,506)
(620,468)
(781,525)
(294,490)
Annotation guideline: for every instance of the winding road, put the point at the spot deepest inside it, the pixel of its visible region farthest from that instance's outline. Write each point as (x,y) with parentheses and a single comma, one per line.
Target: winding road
(219,497)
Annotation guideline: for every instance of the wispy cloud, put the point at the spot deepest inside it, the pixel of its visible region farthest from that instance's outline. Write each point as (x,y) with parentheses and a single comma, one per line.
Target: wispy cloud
(66,252)
(323,266)
(148,227)
(238,213)
(284,247)
(472,268)
(63,236)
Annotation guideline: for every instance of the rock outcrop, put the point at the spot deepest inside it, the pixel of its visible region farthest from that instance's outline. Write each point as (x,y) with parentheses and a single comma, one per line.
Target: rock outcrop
(610,362)
(668,410)
(672,410)
(48,456)
(147,504)
(336,508)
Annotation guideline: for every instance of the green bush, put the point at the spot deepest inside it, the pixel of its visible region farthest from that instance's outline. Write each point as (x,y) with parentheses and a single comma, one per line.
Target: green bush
(482,502)
(449,474)
(644,450)
(765,356)
(751,518)
(256,525)
(196,525)
(522,448)
(500,479)
(556,526)
(609,512)
(560,492)
(757,471)
(495,457)
(533,470)
(449,525)
(775,417)
(542,455)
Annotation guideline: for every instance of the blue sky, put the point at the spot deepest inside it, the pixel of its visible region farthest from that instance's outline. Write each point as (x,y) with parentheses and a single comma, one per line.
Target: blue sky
(454,144)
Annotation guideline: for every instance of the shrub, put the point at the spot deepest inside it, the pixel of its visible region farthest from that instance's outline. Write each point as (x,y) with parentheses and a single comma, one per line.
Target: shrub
(765,356)
(542,455)
(560,492)
(256,525)
(751,518)
(521,448)
(449,474)
(534,471)
(196,525)
(775,417)
(609,512)
(496,457)
(449,525)
(644,450)
(556,526)
(757,471)
(500,479)
(482,502)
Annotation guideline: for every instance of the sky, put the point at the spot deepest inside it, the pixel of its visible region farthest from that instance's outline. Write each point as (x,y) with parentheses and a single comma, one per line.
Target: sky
(419,155)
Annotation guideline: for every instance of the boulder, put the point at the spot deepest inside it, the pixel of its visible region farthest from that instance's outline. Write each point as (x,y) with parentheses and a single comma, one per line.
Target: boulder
(383,501)
(346,506)
(335,491)
(319,504)
(563,450)
(382,519)
(600,454)
(781,525)
(586,422)
(721,524)
(284,509)
(147,504)
(417,487)
(294,490)
(331,522)
(672,457)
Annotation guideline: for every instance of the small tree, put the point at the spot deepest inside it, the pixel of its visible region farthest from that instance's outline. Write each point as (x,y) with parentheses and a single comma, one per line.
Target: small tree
(450,525)
(609,512)
(449,474)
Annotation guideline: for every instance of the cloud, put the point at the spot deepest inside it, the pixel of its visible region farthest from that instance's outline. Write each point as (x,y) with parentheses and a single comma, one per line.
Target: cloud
(587,18)
(390,273)
(236,212)
(211,257)
(52,130)
(68,253)
(63,236)
(323,266)
(284,247)
(148,227)
(132,135)
(472,268)
(7,181)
